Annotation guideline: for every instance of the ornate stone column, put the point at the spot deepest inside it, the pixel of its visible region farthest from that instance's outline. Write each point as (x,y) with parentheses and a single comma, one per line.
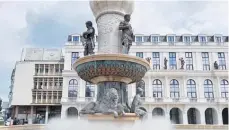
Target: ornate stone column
(108,15)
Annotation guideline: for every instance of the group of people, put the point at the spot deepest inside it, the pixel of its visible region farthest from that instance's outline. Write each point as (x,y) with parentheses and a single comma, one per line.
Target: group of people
(15,121)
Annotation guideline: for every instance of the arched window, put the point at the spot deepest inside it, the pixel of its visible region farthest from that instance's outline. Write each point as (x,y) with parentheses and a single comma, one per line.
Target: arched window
(89,90)
(174,89)
(208,89)
(73,88)
(193,116)
(191,88)
(224,88)
(157,88)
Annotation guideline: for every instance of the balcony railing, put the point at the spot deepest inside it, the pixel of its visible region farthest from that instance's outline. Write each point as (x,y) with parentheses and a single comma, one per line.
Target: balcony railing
(77,99)
(146,100)
(48,88)
(48,74)
(46,101)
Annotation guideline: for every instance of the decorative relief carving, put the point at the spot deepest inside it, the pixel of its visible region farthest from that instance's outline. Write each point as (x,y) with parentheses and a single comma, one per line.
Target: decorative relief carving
(93,69)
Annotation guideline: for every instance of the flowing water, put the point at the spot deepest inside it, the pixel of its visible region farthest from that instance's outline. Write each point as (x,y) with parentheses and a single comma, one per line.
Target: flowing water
(82,124)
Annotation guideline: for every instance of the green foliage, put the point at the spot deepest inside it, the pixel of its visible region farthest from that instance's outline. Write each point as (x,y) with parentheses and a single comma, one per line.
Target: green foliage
(0,104)
(1,123)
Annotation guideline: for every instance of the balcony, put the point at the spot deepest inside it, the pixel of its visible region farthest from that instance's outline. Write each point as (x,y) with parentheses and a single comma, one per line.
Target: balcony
(210,100)
(45,88)
(150,100)
(78,99)
(46,101)
(192,99)
(158,99)
(48,74)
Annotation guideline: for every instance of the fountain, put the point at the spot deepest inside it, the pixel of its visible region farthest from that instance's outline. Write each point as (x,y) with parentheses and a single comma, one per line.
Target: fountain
(112,69)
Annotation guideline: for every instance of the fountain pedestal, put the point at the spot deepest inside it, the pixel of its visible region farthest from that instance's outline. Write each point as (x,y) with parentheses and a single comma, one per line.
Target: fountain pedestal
(111,70)
(129,117)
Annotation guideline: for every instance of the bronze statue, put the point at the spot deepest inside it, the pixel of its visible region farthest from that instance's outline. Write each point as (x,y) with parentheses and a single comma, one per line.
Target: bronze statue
(127,34)
(182,63)
(89,44)
(136,106)
(165,63)
(107,105)
(216,66)
(148,59)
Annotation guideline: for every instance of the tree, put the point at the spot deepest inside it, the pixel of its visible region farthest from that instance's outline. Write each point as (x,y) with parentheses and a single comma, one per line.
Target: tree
(0,104)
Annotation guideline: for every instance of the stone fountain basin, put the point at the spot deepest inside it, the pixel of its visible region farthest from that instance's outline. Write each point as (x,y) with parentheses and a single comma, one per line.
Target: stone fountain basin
(111,67)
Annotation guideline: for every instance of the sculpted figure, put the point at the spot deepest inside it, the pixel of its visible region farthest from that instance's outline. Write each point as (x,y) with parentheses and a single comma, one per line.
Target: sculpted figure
(89,44)
(136,106)
(165,63)
(148,59)
(182,63)
(107,105)
(127,34)
(216,65)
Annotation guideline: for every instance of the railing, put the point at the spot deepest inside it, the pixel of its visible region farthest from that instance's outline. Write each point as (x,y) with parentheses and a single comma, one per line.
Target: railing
(48,88)
(46,101)
(77,99)
(146,100)
(48,74)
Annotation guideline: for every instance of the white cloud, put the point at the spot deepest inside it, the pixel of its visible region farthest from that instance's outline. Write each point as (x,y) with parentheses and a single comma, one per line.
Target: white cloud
(149,17)
(181,17)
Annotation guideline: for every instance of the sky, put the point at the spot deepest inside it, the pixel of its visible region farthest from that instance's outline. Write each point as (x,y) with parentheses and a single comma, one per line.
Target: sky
(47,25)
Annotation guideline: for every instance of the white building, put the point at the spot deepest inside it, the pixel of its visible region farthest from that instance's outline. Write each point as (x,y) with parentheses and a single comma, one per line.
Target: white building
(197,94)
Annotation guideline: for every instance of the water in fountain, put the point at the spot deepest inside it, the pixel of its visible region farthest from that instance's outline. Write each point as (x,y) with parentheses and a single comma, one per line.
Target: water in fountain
(82,124)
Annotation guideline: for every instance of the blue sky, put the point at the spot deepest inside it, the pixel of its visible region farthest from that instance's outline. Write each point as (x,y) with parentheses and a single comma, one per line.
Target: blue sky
(47,24)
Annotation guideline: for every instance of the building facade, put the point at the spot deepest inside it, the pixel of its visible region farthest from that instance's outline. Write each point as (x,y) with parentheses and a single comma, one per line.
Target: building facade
(36,85)
(193,93)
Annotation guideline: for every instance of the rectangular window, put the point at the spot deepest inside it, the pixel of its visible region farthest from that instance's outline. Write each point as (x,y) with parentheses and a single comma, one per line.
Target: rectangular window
(155,39)
(172,60)
(187,39)
(75,38)
(138,38)
(139,54)
(189,60)
(145,38)
(75,56)
(202,39)
(218,39)
(171,39)
(90,90)
(205,60)
(222,61)
(156,60)
(69,38)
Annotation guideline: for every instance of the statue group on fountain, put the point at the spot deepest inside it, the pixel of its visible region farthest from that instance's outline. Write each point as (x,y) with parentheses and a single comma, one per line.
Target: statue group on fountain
(108,104)
(126,39)
(89,44)
(127,34)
